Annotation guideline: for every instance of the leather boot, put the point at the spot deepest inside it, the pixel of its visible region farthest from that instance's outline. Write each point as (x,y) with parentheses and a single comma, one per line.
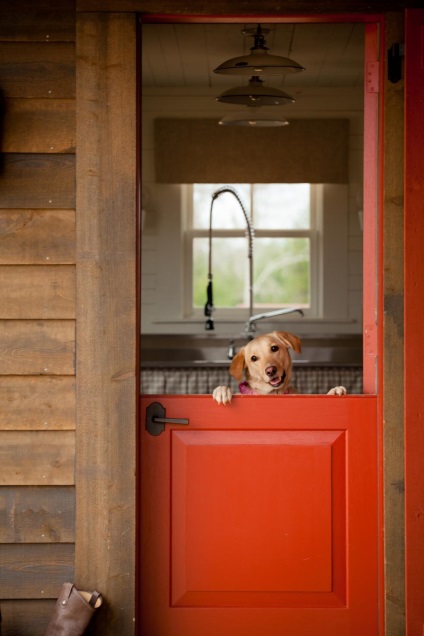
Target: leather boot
(73,611)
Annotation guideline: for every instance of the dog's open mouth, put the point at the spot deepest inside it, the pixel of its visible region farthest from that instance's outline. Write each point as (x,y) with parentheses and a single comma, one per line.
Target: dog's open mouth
(277,381)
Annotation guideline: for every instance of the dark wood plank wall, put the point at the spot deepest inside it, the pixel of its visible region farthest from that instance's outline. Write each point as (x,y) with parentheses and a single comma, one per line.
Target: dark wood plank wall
(37,312)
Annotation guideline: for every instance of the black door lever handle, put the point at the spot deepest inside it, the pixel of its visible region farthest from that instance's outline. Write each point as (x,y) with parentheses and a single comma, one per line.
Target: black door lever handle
(156,419)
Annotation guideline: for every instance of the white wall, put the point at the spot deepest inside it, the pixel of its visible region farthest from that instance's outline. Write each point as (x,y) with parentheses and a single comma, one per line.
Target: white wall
(161,296)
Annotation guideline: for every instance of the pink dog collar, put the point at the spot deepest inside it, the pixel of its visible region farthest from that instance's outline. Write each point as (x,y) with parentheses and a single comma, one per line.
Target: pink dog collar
(246,390)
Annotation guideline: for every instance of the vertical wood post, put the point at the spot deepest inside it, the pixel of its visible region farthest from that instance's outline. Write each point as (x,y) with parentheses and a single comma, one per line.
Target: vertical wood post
(393,284)
(414,333)
(106,315)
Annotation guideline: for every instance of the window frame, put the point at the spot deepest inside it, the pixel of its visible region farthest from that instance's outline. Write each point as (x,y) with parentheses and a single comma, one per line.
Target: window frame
(314,234)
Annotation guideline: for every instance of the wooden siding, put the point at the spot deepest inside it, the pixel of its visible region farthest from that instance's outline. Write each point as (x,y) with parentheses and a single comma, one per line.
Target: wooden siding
(32,515)
(37,69)
(29,347)
(37,181)
(26,617)
(29,458)
(37,315)
(39,125)
(39,291)
(37,403)
(35,571)
(37,21)
(34,237)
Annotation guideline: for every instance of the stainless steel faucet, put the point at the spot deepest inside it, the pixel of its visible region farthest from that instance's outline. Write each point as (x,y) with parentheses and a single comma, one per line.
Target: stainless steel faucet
(250,326)
(209,308)
(231,349)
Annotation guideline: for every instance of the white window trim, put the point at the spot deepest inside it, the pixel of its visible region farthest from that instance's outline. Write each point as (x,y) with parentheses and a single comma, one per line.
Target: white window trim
(314,234)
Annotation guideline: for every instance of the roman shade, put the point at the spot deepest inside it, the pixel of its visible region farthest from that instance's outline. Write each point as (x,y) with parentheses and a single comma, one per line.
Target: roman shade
(201,151)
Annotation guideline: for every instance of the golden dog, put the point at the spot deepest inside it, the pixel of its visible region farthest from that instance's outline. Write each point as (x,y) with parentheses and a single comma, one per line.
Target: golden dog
(267,365)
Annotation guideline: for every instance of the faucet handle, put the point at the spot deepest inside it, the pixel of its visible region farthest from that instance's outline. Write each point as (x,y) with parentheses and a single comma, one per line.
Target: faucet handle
(231,349)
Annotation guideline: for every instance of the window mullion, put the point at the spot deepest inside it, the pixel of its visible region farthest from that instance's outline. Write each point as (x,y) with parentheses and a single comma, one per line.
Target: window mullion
(199,233)
(284,233)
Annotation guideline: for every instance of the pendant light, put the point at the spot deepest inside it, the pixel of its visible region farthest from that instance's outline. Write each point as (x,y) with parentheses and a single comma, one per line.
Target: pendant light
(254,117)
(258,62)
(255,94)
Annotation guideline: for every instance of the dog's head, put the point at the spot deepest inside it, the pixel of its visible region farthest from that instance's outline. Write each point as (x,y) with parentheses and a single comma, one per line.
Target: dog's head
(266,362)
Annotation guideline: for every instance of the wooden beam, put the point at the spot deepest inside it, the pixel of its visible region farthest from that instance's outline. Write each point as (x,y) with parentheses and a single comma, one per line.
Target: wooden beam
(414,333)
(107,314)
(244,9)
(393,447)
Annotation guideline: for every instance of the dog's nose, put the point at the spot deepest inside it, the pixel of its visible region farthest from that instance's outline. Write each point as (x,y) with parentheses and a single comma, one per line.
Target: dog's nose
(270,371)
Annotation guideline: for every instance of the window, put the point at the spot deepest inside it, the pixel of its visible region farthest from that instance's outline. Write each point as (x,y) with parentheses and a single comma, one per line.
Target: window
(286,263)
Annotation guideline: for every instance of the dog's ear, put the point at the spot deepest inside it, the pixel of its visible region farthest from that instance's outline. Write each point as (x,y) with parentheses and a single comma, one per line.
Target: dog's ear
(289,340)
(237,365)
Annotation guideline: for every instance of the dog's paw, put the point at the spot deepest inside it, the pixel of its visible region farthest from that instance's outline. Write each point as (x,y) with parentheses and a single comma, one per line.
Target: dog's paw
(222,394)
(338,390)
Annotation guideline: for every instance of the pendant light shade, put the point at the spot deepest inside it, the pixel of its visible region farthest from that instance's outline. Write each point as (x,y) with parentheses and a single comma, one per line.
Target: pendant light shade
(253,117)
(258,62)
(255,94)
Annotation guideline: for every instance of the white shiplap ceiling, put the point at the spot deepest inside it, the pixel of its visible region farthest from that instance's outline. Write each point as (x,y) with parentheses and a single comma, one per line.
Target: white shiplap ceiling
(184,55)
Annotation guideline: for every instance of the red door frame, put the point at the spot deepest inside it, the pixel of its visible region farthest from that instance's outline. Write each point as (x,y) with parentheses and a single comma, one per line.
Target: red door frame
(373,188)
(414,334)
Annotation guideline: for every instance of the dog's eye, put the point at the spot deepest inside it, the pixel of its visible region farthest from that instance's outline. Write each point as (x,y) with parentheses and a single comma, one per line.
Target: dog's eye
(274,348)
(254,358)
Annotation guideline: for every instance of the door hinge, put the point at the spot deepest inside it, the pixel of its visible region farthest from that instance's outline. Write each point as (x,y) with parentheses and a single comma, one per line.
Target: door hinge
(394,62)
(372,80)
